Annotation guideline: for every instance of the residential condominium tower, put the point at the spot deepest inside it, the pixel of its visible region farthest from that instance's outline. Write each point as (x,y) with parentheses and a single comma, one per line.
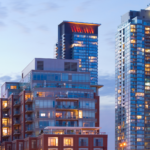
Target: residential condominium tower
(79,40)
(132,111)
(53,107)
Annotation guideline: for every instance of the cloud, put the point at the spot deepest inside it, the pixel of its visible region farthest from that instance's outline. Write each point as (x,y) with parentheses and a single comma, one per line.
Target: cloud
(43,28)
(20,6)
(110,38)
(2,24)
(107,123)
(22,27)
(51,6)
(109,85)
(84,5)
(3,11)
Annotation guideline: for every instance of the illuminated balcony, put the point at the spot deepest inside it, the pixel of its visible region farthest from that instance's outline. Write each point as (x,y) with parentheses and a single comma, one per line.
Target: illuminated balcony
(29,101)
(6,135)
(73,130)
(16,132)
(64,107)
(29,110)
(16,123)
(16,113)
(67,117)
(29,130)
(29,120)
(65,98)
(5,115)
(6,125)
(17,104)
(6,108)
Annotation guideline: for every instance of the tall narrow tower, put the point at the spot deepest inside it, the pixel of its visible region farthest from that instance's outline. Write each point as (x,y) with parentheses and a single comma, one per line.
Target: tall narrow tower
(78,40)
(132,89)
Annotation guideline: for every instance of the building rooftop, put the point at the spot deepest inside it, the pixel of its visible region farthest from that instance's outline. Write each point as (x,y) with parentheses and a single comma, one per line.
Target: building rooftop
(81,23)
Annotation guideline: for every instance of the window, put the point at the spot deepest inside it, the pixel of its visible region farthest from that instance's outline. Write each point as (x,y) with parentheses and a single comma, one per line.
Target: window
(68,141)
(33,144)
(52,148)
(20,145)
(13,87)
(98,141)
(40,65)
(9,147)
(53,141)
(83,141)
(70,66)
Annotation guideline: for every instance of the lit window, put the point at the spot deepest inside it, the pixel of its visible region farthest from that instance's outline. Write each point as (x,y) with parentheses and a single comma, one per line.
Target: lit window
(139,94)
(132,71)
(139,139)
(68,141)
(5,131)
(139,117)
(53,141)
(98,141)
(42,114)
(13,87)
(80,114)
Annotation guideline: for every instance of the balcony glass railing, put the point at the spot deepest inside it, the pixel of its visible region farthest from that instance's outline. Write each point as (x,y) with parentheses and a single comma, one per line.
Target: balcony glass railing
(5,115)
(29,119)
(16,122)
(29,109)
(16,112)
(16,131)
(66,107)
(66,117)
(17,103)
(29,129)
(80,132)
(5,124)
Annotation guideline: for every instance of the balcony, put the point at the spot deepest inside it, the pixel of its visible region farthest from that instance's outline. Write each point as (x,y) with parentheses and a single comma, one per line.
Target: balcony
(5,116)
(29,110)
(6,135)
(17,104)
(83,143)
(29,120)
(67,117)
(29,130)
(16,113)
(66,107)
(6,125)
(28,101)
(65,97)
(16,123)
(16,132)
(6,108)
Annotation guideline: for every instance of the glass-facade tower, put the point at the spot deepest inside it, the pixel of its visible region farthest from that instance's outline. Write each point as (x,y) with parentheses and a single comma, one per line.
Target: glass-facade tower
(79,41)
(132,88)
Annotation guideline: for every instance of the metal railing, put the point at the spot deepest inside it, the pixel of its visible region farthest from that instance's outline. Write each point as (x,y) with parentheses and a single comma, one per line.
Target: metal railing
(66,107)
(67,117)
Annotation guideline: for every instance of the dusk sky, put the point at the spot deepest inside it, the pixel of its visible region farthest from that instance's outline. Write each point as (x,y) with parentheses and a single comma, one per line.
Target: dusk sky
(28,29)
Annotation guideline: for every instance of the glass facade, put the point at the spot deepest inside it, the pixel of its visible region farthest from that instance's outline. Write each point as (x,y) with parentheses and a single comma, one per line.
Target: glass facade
(132,89)
(85,49)
(61,99)
(79,41)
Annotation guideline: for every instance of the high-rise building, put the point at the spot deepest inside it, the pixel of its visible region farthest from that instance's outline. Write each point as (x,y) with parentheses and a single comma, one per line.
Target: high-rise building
(79,40)
(53,107)
(132,112)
